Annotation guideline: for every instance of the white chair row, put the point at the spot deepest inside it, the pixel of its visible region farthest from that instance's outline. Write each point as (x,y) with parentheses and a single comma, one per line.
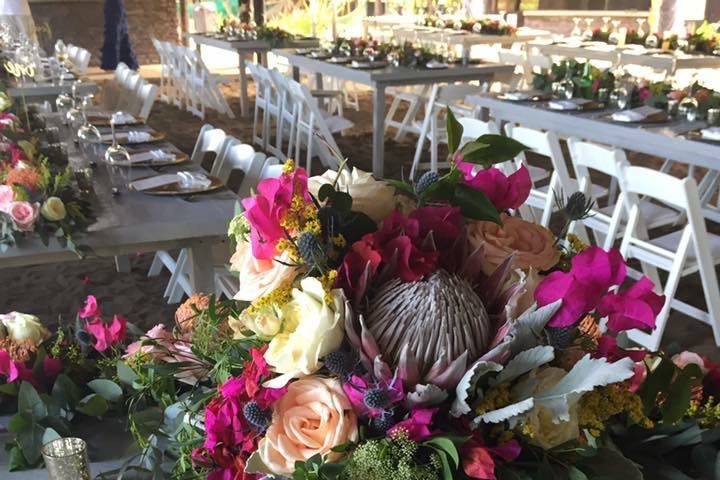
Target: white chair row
(79,58)
(229,155)
(294,112)
(186,82)
(129,92)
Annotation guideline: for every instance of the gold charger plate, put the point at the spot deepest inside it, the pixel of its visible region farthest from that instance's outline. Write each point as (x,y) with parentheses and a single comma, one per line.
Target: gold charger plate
(123,139)
(173,189)
(697,135)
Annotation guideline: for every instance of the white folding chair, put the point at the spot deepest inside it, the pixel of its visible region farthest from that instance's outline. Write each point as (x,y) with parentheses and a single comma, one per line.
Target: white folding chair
(164,69)
(148,94)
(265,102)
(543,198)
(414,99)
(441,97)
(683,252)
(81,61)
(607,223)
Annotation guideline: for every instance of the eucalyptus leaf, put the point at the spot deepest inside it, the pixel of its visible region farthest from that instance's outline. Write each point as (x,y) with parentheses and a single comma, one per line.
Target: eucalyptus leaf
(49,435)
(126,375)
(93,405)
(30,403)
(107,389)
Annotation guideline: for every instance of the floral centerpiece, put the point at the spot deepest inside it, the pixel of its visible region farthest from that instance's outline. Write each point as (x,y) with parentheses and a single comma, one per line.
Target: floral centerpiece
(484,26)
(587,79)
(36,196)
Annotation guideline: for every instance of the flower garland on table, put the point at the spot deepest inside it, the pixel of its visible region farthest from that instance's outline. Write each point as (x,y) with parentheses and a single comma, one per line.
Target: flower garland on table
(705,97)
(234,26)
(36,195)
(49,381)
(587,79)
(483,26)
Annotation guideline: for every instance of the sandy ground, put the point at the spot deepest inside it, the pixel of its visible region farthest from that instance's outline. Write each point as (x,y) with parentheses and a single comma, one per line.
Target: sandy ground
(56,291)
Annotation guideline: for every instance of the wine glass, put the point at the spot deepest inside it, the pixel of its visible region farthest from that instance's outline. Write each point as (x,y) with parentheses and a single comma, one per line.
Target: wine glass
(87,133)
(576,31)
(63,103)
(116,158)
(606,24)
(588,33)
(621,97)
(641,30)
(652,41)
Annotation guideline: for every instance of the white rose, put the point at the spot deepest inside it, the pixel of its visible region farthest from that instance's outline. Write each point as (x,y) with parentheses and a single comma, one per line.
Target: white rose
(311,329)
(372,197)
(265,323)
(53,209)
(546,433)
(21,327)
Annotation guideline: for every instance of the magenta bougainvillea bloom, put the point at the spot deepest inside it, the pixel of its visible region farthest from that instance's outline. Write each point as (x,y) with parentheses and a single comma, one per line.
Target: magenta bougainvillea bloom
(503,191)
(417,425)
(593,273)
(107,335)
(636,307)
(90,309)
(445,223)
(479,461)
(265,210)
(8,367)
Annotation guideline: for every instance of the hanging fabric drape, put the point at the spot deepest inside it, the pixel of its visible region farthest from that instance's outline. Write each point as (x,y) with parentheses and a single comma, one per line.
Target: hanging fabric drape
(117,47)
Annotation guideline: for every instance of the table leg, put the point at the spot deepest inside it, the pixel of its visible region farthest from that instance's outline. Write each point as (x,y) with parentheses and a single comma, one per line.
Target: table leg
(378,147)
(262,55)
(201,268)
(318,81)
(243,87)
(296,74)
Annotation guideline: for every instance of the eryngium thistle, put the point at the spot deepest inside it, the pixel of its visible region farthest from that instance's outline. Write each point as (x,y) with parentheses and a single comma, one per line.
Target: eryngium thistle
(309,248)
(427,179)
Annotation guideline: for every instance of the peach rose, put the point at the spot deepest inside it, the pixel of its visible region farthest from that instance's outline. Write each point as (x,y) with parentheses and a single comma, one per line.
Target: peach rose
(533,244)
(311,418)
(259,277)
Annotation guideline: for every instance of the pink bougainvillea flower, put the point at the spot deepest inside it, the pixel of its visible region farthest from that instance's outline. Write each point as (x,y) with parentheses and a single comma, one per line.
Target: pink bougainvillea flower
(393,226)
(90,309)
(8,367)
(503,191)
(594,271)
(107,335)
(609,349)
(52,367)
(636,307)
(417,426)
(479,461)
(358,266)
(412,263)
(265,210)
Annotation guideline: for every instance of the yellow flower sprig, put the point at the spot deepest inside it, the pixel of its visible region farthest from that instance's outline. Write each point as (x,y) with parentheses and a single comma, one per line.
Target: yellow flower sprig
(597,406)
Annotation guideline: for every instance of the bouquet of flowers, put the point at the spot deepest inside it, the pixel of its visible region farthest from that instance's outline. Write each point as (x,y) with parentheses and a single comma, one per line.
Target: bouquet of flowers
(50,380)
(485,26)
(36,196)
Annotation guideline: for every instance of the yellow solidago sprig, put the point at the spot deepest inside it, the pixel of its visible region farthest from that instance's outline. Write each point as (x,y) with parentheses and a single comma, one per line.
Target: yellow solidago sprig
(707,413)
(601,404)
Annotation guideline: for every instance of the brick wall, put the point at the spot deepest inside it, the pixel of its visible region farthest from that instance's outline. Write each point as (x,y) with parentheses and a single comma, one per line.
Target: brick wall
(82,22)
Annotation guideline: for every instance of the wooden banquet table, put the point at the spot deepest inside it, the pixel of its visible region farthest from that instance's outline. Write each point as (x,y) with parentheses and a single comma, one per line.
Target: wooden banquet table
(38,91)
(629,55)
(134,222)
(245,48)
(381,78)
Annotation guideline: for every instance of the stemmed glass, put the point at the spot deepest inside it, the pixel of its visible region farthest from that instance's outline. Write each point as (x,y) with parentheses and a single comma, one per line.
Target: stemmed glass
(576,31)
(605,25)
(117,157)
(88,133)
(641,30)
(588,33)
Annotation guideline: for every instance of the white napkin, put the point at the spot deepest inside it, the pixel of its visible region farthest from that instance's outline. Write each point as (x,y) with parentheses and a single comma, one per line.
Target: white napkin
(434,64)
(156,181)
(521,95)
(122,118)
(635,115)
(356,64)
(193,180)
(573,104)
(131,137)
(157,155)
(712,133)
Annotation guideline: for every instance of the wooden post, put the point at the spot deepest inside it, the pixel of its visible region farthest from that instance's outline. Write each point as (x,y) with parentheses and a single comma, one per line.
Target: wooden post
(259,11)
(183,21)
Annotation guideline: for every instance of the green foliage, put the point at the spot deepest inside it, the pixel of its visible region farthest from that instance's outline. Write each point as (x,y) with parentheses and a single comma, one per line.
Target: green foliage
(674,385)
(400,458)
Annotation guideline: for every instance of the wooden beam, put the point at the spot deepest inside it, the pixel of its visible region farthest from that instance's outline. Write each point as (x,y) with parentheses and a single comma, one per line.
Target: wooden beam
(183,21)
(259,11)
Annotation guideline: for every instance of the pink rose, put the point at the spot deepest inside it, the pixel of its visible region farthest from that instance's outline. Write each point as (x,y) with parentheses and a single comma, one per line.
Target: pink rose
(24,215)
(683,359)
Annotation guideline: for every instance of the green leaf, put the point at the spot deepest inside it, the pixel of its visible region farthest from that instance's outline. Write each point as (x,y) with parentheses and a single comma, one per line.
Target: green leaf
(66,392)
(30,403)
(446,445)
(454,131)
(93,405)
(18,423)
(9,389)
(126,375)
(657,381)
(496,149)
(16,460)
(680,393)
(107,389)
(401,186)
(475,204)
(31,442)
(342,202)
(447,471)
(576,474)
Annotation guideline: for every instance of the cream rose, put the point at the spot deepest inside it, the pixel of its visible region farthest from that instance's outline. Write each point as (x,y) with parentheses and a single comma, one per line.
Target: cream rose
(311,418)
(53,209)
(372,197)
(533,244)
(311,329)
(546,433)
(264,322)
(259,277)
(21,327)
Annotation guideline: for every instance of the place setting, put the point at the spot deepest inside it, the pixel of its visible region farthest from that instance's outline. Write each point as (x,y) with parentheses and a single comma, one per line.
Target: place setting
(182,183)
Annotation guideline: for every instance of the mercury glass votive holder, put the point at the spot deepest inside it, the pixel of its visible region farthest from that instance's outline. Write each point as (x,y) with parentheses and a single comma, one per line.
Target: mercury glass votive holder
(66,459)
(713,117)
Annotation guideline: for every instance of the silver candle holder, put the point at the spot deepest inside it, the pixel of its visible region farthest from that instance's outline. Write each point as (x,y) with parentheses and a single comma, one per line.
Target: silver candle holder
(66,459)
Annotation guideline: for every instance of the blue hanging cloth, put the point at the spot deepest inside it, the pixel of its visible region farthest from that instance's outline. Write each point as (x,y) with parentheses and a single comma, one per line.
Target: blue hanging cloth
(117,47)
